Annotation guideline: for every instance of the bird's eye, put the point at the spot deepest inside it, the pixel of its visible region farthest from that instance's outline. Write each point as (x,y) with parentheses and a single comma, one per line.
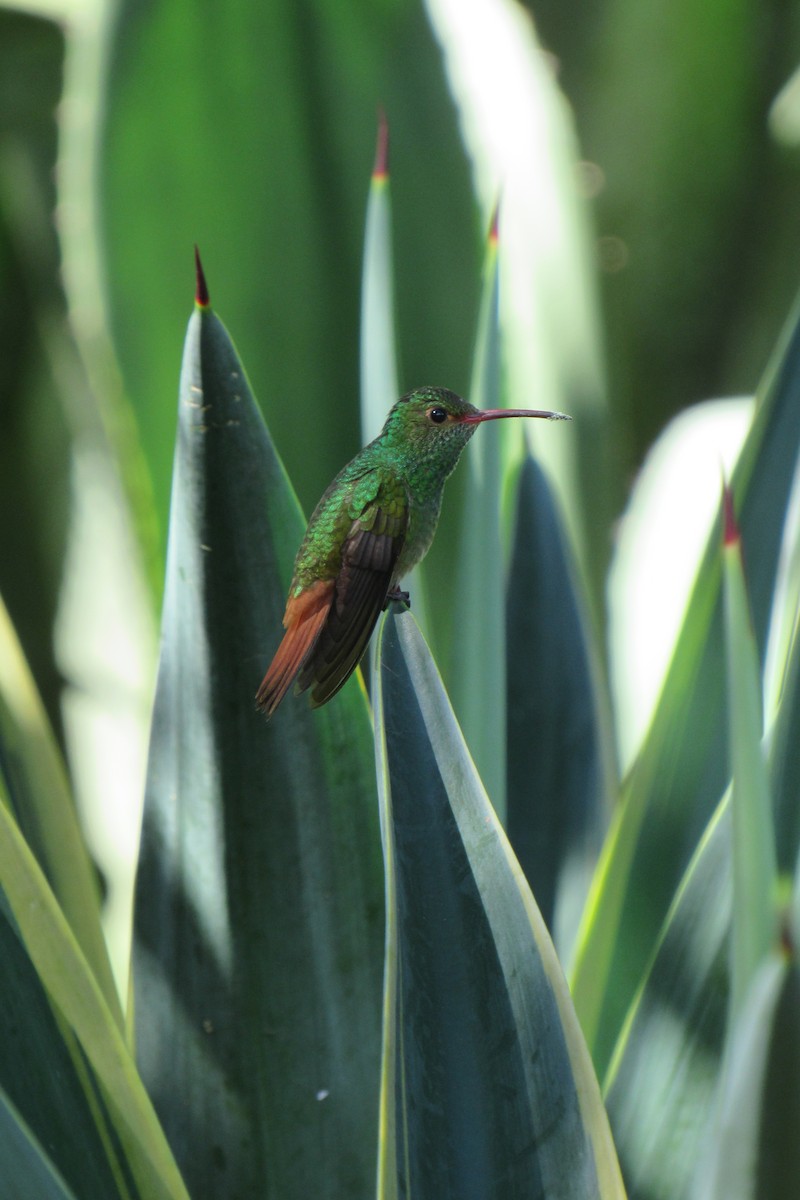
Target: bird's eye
(437,415)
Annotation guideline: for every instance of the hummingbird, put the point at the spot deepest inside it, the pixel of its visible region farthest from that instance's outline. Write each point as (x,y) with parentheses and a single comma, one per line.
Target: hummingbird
(373,524)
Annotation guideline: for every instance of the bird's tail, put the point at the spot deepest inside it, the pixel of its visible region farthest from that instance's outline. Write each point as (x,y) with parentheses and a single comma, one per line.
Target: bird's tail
(303,620)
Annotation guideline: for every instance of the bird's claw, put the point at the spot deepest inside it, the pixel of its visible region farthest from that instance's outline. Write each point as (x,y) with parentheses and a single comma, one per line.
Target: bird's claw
(397,596)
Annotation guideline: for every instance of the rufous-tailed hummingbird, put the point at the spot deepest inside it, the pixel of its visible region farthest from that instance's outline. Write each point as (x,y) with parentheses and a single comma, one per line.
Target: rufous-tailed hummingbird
(374,523)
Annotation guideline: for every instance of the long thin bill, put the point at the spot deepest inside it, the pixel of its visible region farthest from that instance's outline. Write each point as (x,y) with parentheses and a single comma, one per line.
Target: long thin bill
(494,414)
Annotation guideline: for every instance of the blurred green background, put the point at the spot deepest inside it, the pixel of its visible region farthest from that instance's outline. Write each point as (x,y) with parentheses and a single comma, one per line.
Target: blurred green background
(130,131)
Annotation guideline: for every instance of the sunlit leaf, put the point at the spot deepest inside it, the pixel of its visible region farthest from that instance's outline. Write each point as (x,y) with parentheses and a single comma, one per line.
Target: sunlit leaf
(380,385)
(681,771)
(47,1090)
(77,998)
(755,923)
(37,793)
(663,1076)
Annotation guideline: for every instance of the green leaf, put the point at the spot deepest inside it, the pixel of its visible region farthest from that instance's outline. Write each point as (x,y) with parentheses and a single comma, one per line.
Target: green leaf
(487,1087)
(74,992)
(560,779)
(477,671)
(664,1072)
(44,1079)
(27,1172)
(40,384)
(753,1152)
(784,767)
(37,793)
(379,373)
(681,770)
(754,866)
(380,386)
(258,920)
(523,146)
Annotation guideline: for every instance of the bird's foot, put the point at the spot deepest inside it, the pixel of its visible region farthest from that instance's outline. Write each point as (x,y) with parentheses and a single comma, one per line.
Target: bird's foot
(396,596)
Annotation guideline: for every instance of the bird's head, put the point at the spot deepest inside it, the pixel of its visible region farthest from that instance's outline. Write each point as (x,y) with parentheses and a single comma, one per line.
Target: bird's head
(432,425)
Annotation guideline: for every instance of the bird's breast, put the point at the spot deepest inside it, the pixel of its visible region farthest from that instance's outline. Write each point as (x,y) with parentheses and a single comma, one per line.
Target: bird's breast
(422,521)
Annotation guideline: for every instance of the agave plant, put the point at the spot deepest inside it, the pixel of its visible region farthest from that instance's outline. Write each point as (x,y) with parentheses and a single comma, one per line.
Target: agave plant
(348,922)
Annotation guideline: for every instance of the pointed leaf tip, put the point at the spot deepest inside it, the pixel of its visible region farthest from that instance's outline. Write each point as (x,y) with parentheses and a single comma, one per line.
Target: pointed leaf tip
(494,228)
(201,297)
(786,938)
(381,168)
(731,533)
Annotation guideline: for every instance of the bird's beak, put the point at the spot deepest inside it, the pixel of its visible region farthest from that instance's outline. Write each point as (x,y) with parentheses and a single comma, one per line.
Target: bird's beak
(494,414)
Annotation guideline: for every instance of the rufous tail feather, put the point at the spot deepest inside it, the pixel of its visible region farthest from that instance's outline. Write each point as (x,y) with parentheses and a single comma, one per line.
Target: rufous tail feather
(303,620)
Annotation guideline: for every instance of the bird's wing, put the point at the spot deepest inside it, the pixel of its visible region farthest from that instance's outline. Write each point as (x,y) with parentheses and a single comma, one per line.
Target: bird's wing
(304,618)
(369,556)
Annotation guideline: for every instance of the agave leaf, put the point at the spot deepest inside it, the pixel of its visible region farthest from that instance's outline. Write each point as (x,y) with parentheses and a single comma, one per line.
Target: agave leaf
(560,779)
(664,1071)
(680,773)
(753,1152)
(784,767)
(487,1086)
(43,1082)
(379,373)
(36,791)
(76,996)
(258,920)
(662,1076)
(520,134)
(754,866)
(27,1172)
(787,606)
(477,623)
(658,544)
(40,383)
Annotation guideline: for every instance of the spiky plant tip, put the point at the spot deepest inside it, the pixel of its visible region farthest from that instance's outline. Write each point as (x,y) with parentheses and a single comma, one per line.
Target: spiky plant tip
(381,168)
(494,227)
(201,297)
(786,939)
(730,528)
